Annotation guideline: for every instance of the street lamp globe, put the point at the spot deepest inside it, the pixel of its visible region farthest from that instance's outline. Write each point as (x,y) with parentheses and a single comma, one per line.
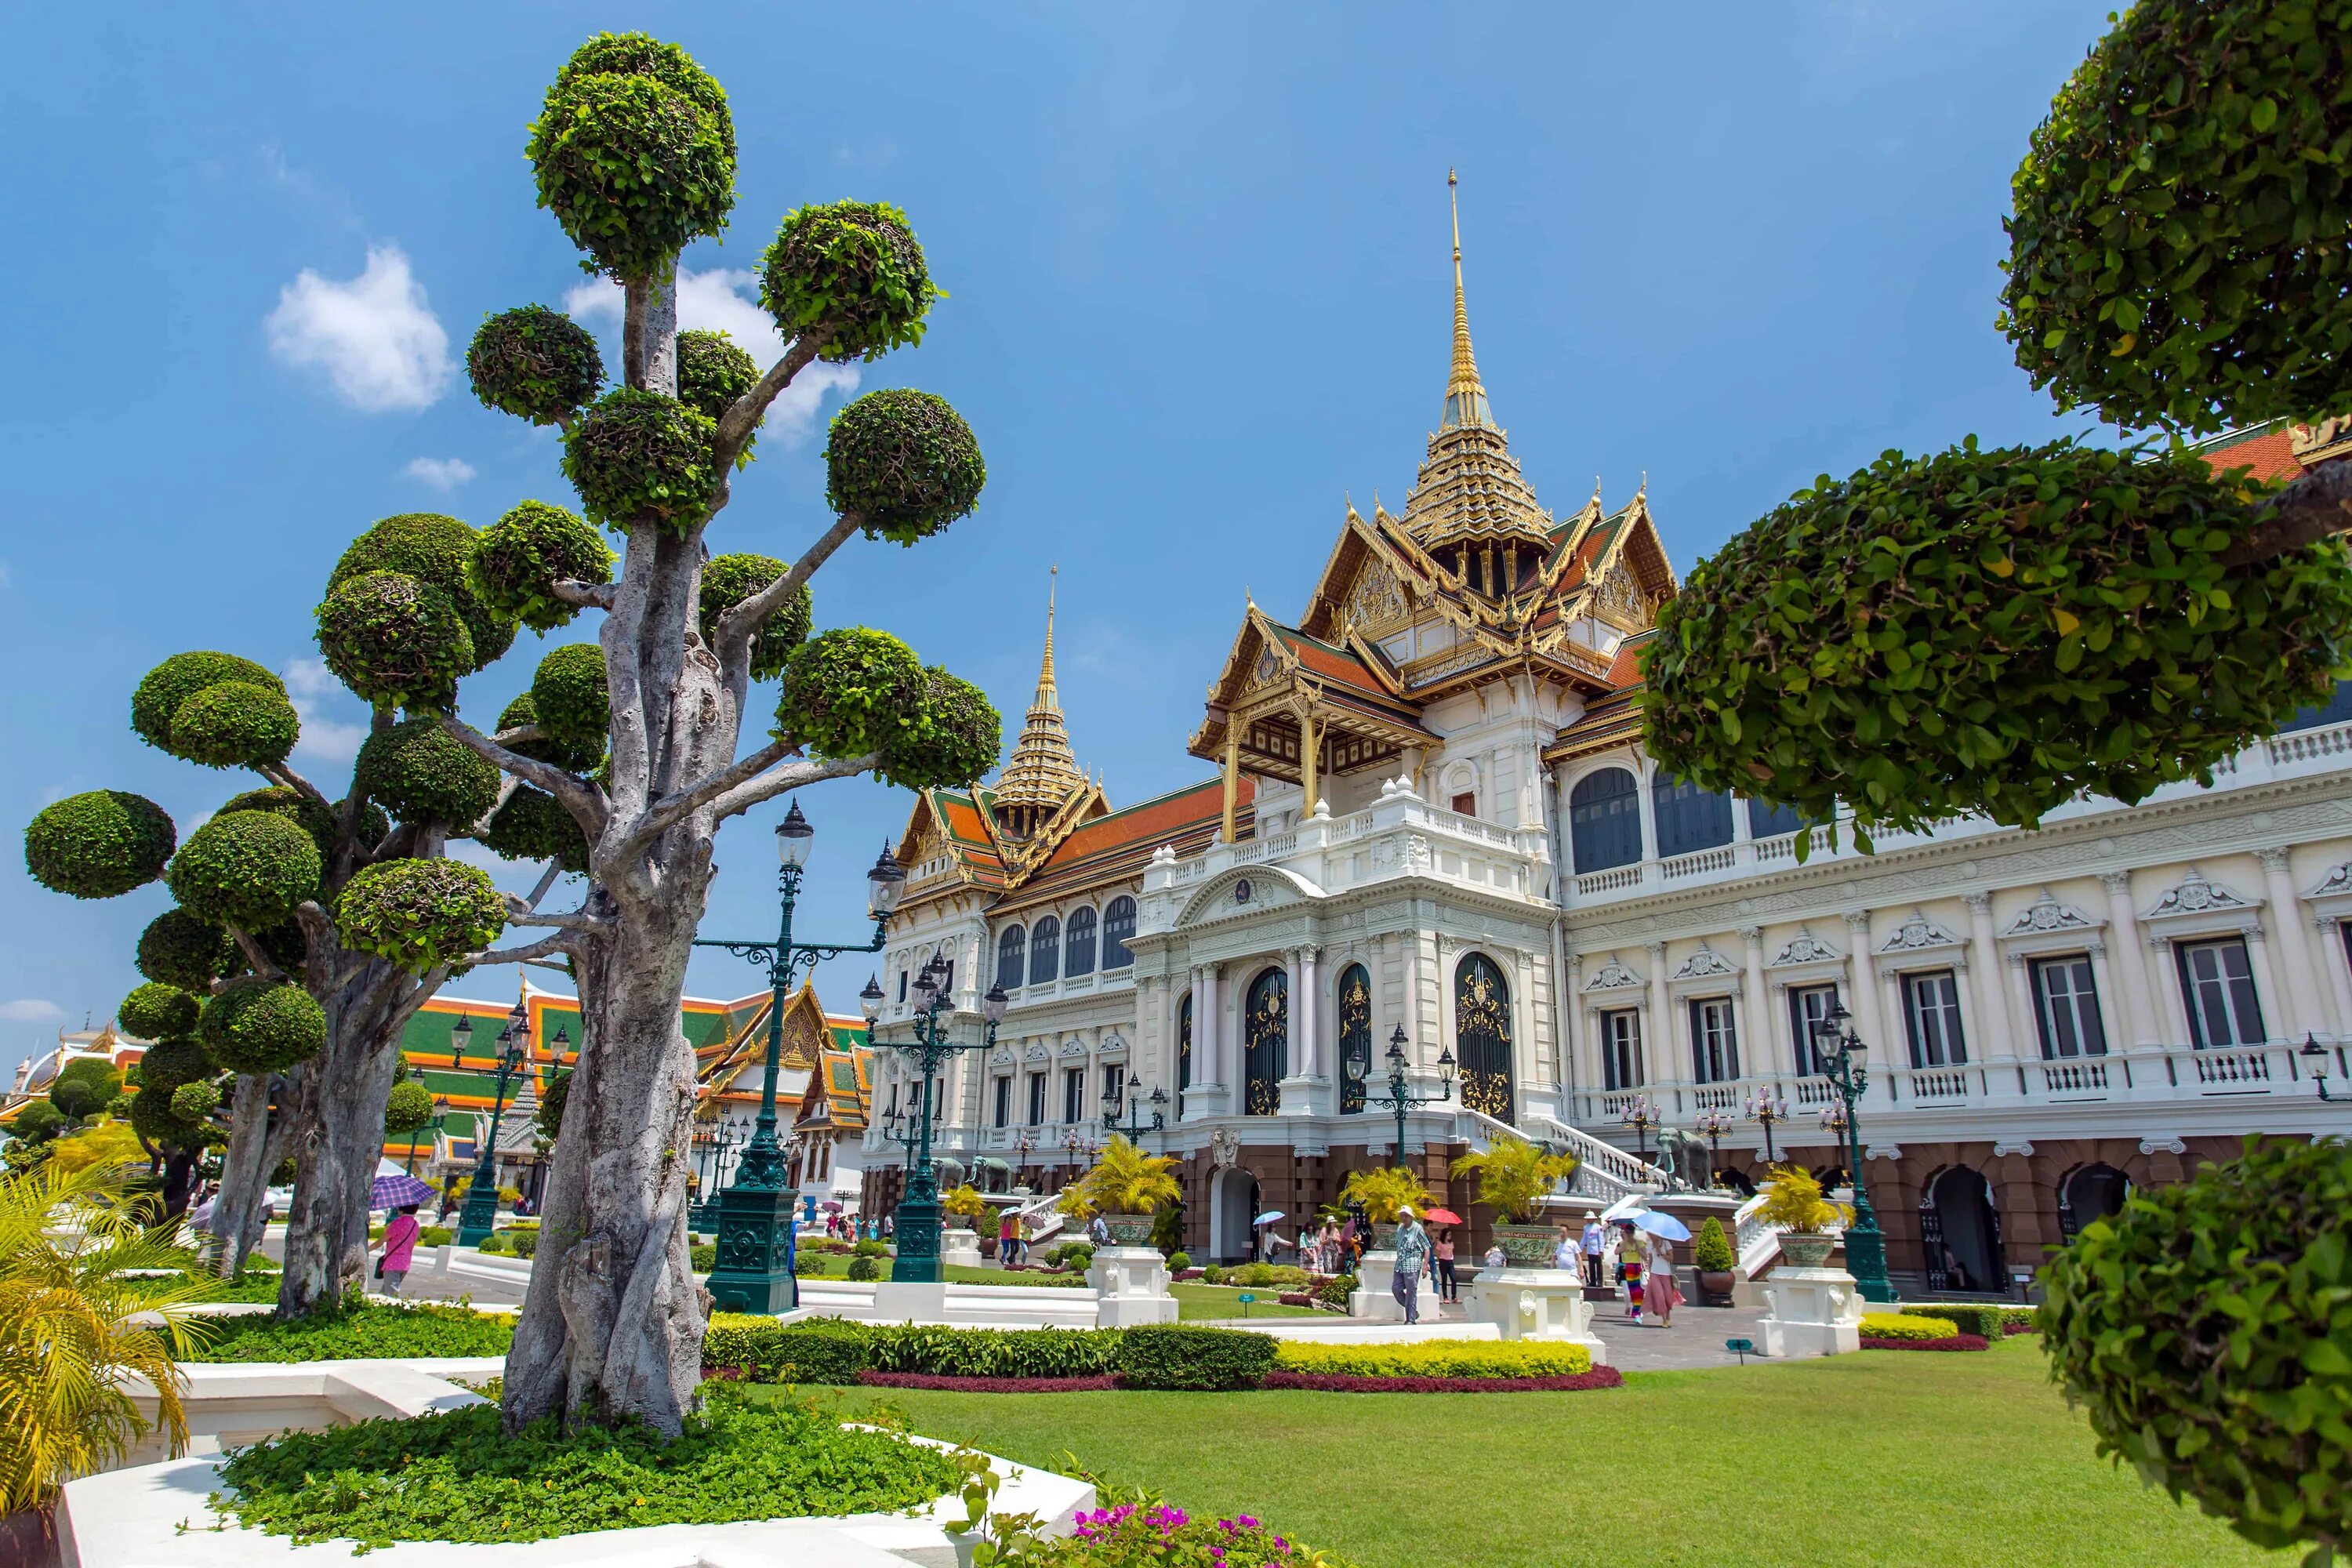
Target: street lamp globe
(885,884)
(870,1000)
(992,1005)
(461,1035)
(794,838)
(1445,1065)
(1395,1058)
(926,987)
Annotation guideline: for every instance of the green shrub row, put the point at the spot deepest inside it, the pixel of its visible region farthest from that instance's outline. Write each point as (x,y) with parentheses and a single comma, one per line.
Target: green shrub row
(836,1350)
(1437,1358)
(1904,1326)
(1982,1318)
(1255,1275)
(370,1332)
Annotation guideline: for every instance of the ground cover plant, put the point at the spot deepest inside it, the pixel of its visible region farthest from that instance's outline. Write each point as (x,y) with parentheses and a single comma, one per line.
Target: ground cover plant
(1972,1460)
(1437,1358)
(456,1477)
(371,1332)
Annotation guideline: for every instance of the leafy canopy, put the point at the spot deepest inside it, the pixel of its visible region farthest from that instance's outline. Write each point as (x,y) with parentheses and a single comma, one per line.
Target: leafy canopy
(1513,1174)
(1383,1191)
(99,845)
(1126,1180)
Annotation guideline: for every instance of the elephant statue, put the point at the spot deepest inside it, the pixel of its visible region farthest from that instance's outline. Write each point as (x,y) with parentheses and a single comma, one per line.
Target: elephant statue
(947,1173)
(991,1174)
(1680,1154)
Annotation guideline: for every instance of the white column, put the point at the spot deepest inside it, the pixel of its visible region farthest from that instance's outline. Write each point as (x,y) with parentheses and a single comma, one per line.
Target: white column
(1306,1015)
(1869,1018)
(1568,1009)
(2135,1008)
(2261,951)
(2330,957)
(1984,961)
(1658,1036)
(2175,1013)
(2295,983)
(1757,1056)
(1208,1028)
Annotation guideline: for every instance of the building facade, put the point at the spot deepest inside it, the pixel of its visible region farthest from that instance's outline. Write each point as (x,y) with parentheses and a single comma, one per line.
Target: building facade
(1432,821)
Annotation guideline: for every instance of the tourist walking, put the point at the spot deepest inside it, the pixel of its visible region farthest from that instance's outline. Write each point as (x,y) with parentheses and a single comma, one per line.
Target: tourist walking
(1008,1240)
(1563,1251)
(1629,1268)
(1660,1291)
(1596,1242)
(1411,1253)
(399,1248)
(1449,1289)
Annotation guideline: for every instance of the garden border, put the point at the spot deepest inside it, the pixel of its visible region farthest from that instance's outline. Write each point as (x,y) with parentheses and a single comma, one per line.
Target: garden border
(1953,1343)
(1342,1383)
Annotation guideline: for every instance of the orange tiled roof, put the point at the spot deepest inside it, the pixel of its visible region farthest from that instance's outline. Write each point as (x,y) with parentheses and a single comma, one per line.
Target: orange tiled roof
(2270,452)
(1116,848)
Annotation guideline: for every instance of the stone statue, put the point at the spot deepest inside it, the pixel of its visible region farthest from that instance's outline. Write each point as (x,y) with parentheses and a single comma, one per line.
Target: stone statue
(947,1171)
(991,1174)
(1680,1154)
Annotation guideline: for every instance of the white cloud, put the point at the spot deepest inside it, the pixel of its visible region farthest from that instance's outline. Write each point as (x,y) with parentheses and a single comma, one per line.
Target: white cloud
(30,1010)
(375,337)
(308,686)
(441,473)
(719,300)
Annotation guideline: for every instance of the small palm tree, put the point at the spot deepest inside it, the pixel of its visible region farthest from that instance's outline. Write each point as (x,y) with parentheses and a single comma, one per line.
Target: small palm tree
(1385,1191)
(1513,1174)
(77,1327)
(1126,1180)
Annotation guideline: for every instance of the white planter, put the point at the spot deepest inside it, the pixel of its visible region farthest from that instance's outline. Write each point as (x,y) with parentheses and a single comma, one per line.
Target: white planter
(1130,1287)
(1375,1299)
(1815,1313)
(1544,1304)
(960,1249)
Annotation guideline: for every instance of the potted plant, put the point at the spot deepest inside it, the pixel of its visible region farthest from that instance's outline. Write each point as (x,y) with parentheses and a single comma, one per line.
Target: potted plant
(1126,1187)
(1380,1192)
(1513,1176)
(1711,1254)
(1793,1202)
(963,1206)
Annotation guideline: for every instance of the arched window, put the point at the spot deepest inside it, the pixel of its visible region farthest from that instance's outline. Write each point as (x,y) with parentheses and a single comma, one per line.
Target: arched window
(1689,819)
(1078,946)
(1355,999)
(1008,957)
(1766,820)
(1266,1042)
(1482,1028)
(1604,820)
(1118,926)
(1045,949)
(1183,1050)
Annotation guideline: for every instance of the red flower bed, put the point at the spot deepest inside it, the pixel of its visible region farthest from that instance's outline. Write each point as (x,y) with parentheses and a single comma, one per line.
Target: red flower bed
(2008,1329)
(1296,1298)
(872,1379)
(1956,1343)
(1335,1383)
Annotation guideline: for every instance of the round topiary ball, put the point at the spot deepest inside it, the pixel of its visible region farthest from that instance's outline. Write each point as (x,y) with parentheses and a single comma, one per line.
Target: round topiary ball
(546,748)
(567,692)
(533,362)
(152,1118)
(157,701)
(262,1026)
(195,1101)
(1990,631)
(849,691)
(642,53)
(2205,1331)
(244,869)
(180,951)
(712,373)
(728,581)
(420,773)
(98,845)
(420,913)
(851,271)
(533,826)
(954,739)
(633,167)
(235,724)
(904,463)
(2176,255)
(157,1012)
(520,556)
(636,456)
(432,549)
(167,1064)
(321,821)
(396,640)
(408,1108)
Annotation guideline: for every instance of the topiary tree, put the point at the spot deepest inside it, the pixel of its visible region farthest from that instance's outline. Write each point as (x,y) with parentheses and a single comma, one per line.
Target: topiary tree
(1999,631)
(633,152)
(83,1086)
(407,1112)
(2206,1332)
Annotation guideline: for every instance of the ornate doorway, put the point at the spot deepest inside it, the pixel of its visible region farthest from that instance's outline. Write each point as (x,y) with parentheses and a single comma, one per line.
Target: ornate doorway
(1355,996)
(1266,1024)
(1482,1028)
(2090,1192)
(1232,1204)
(1959,1230)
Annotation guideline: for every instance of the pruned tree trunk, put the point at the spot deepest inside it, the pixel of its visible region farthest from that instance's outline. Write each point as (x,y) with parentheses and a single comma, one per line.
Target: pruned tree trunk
(246,1167)
(341,1114)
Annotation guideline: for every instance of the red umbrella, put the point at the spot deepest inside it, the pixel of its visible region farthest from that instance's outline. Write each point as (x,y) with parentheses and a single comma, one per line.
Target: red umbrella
(1443,1217)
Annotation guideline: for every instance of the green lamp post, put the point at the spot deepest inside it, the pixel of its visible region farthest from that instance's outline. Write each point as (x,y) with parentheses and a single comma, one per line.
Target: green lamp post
(918,1226)
(754,1217)
(1841,1052)
(1398,1100)
(481,1213)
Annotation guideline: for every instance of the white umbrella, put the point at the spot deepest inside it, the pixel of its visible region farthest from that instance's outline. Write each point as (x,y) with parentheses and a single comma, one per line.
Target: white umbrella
(1625,1208)
(1268,1217)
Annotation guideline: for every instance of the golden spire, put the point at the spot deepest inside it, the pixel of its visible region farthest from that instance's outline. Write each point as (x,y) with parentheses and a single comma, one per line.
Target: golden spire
(1465,398)
(1043,771)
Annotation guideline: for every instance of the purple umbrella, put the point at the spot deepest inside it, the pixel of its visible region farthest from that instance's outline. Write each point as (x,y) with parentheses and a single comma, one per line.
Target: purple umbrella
(398,1192)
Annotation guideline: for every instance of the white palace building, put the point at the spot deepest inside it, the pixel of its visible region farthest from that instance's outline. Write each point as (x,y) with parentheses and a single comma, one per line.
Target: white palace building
(1431,812)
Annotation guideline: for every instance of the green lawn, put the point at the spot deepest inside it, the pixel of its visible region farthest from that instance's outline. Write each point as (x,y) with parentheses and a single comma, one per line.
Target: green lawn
(1901,1458)
(837,1268)
(1196,1300)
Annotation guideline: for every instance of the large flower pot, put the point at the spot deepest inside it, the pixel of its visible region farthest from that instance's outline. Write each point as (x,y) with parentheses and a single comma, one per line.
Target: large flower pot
(1714,1287)
(1528,1246)
(1807,1251)
(1129,1229)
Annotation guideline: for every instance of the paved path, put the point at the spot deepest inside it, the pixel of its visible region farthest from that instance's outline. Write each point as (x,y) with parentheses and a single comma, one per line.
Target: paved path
(1694,1340)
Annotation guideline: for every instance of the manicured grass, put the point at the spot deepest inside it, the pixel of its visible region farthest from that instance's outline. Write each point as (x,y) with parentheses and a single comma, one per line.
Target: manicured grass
(1196,1301)
(961,1274)
(1880,1458)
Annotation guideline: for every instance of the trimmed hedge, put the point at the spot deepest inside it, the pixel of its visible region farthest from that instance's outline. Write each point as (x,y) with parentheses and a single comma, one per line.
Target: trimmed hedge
(764,1351)
(1949,1343)
(1172,1356)
(990,1384)
(1332,1383)
(1442,1359)
(1903,1326)
(1981,1318)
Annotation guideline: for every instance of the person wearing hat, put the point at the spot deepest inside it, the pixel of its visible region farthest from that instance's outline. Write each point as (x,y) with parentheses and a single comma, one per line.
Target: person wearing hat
(1411,1254)
(1596,1242)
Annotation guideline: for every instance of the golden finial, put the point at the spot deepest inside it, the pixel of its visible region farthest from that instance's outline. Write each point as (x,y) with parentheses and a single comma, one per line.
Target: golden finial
(1466,396)
(1046,675)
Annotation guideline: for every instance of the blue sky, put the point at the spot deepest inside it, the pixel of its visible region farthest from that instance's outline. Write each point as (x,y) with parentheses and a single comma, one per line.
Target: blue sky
(1199,291)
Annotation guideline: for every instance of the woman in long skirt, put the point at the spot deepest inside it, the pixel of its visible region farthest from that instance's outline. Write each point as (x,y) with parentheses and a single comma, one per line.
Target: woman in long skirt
(1661,1293)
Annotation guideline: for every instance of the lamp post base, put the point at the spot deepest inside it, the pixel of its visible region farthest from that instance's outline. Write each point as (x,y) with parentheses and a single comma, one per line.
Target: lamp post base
(1865,1259)
(755,1251)
(918,1235)
(480,1216)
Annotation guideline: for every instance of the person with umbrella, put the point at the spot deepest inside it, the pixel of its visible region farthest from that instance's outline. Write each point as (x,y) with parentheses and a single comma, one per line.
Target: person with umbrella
(1441,1256)
(1411,1254)
(1658,1289)
(399,1248)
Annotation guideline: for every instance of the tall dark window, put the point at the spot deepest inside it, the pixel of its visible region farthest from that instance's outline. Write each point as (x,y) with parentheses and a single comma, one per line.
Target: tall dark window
(1689,819)
(2217,982)
(1117,929)
(1114,1084)
(1931,1018)
(1266,1042)
(1183,1045)
(1808,1006)
(1621,1049)
(1036,1098)
(1003,1100)
(902,985)
(2066,1007)
(1482,1031)
(1074,1094)
(1766,820)
(1008,958)
(1078,946)
(1045,949)
(1604,820)
(1715,1041)
(1355,997)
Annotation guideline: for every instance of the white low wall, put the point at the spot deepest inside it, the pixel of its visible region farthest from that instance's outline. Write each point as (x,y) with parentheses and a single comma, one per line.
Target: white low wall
(1361,1331)
(968,1306)
(231,1403)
